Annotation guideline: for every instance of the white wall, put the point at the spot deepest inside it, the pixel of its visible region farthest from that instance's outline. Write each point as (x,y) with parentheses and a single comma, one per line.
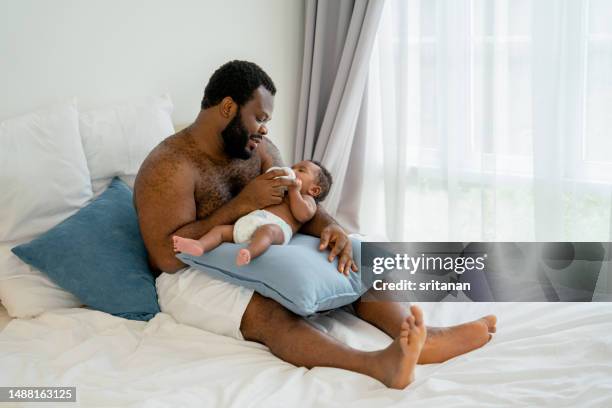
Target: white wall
(103,51)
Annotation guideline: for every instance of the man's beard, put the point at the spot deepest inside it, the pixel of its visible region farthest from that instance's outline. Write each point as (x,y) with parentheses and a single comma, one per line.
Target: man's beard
(235,138)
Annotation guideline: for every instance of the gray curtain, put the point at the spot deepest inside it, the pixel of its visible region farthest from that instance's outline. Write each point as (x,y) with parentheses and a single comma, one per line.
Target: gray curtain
(338,40)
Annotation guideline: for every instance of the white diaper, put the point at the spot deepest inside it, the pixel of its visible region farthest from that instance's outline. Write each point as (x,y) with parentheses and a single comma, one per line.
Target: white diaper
(246,225)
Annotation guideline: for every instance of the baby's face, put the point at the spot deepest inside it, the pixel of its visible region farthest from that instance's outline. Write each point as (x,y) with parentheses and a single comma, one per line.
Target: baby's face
(308,173)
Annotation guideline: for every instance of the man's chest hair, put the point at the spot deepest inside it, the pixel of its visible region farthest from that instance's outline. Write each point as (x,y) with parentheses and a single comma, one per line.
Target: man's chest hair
(217,184)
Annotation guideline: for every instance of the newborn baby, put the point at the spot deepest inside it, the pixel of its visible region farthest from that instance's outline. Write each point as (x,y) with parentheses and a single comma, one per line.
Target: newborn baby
(274,224)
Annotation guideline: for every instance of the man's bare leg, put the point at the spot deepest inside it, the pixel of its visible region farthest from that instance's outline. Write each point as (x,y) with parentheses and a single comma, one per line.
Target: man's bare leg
(261,240)
(442,343)
(290,338)
(210,240)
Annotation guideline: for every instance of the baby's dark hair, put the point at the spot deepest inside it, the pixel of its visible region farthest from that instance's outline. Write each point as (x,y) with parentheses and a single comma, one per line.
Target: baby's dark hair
(325,181)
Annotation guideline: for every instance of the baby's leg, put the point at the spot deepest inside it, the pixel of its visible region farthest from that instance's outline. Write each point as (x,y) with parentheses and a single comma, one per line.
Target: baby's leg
(261,240)
(210,240)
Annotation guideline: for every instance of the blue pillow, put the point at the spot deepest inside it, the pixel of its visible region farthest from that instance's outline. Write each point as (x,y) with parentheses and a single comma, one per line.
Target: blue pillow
(99,256)
(296,275)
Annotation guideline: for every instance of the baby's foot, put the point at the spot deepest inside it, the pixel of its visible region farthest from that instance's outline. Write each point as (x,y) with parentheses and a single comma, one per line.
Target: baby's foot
(398,361)
(243,257)
(187,246)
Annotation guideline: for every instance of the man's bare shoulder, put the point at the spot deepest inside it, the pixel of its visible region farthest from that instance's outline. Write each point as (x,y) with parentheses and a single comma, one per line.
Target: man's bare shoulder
(270,155)
(171,161)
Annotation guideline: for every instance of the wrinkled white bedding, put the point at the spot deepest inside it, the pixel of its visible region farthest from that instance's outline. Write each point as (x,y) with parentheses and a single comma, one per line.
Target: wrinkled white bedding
(544,354)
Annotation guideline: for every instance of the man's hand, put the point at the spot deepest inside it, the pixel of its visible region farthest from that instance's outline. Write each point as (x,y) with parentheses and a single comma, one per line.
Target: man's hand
(335,238)
(264,190)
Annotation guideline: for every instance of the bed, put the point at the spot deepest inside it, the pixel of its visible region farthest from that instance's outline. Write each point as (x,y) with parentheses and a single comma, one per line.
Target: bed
(544,354)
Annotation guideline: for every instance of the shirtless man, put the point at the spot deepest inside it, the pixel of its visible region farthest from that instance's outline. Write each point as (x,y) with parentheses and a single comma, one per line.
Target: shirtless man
(212,173)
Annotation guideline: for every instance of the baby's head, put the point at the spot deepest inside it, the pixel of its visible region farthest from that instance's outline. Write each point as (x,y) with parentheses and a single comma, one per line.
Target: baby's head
(316,179)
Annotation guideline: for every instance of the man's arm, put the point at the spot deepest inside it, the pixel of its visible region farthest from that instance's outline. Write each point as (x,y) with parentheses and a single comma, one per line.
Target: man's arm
(318,223)
(164,199)
(333,237)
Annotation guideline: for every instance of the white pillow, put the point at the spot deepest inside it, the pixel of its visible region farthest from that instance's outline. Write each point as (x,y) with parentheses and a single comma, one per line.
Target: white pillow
(118,138)
(44,180)
(26,292)
(44,177)
(100,185)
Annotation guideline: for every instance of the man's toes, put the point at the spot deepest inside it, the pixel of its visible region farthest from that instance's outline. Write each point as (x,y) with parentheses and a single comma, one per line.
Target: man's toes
(410,320)
(417,312)
(491,321)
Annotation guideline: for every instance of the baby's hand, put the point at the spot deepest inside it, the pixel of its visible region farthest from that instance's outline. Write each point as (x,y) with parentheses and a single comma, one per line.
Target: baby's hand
(297,186)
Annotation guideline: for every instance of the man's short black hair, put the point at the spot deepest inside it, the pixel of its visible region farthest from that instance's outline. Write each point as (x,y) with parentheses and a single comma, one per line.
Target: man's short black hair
(238,80)
(325,181)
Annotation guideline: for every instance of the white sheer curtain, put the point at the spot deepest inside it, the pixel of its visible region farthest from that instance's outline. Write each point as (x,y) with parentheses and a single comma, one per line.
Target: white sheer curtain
(490,120)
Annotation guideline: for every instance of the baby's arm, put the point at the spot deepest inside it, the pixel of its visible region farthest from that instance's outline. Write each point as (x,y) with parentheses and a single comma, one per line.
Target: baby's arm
(303,207)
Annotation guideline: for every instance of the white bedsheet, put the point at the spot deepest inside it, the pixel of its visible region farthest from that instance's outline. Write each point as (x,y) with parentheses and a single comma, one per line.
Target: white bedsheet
(544,354)
(4,317)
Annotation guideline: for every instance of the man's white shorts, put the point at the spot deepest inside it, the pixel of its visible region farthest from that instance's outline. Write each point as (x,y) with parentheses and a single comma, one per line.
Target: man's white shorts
(196,299)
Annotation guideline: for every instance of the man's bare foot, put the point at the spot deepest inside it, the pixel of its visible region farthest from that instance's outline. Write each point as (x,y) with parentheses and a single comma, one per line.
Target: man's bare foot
(444,343)
(187,246)
(243,257)
(397,362)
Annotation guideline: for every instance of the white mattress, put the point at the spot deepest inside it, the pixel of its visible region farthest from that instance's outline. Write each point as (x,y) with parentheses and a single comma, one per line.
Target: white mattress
(544,354)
